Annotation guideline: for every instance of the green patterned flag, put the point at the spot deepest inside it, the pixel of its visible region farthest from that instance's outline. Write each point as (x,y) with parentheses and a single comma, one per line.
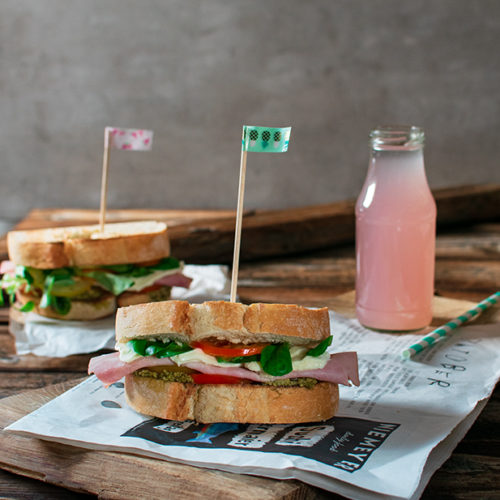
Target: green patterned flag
(265,139)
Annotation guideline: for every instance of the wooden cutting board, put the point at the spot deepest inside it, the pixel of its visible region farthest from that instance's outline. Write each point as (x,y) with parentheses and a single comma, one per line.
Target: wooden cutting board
(119,475)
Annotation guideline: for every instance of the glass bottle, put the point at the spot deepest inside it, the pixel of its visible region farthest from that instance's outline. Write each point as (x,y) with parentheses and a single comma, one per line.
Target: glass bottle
(395,234)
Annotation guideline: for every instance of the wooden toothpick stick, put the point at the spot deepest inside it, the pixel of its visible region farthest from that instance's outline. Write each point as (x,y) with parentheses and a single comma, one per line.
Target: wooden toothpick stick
(257,140)
(237,232)
(104,179)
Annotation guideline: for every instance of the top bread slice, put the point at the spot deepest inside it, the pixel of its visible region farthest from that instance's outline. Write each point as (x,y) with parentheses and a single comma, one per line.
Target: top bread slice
(82,246)
(223,321)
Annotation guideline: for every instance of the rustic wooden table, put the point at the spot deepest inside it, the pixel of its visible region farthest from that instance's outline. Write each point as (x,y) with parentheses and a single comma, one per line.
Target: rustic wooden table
(467,267)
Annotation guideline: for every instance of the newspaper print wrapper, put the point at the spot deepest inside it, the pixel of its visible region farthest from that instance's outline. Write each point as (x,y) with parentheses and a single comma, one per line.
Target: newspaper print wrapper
(389,437)
(55,338)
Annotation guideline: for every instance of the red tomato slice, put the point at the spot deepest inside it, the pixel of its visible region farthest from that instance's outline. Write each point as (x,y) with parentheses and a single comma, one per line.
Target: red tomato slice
(207,378)
(229,350)
(151,288)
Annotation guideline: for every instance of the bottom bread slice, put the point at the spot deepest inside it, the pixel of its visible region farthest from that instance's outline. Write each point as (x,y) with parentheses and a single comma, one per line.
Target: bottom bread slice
(241,403)
(81,310)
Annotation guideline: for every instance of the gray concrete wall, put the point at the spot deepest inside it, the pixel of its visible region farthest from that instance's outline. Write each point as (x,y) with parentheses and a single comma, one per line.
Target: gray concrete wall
(195,71)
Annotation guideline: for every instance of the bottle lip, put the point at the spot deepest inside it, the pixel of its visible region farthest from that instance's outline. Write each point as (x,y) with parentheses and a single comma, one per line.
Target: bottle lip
(397,138)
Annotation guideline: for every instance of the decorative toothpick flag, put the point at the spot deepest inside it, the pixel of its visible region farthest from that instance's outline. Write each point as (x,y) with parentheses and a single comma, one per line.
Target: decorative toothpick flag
(128,139)
(265,139)
(254,140)
(448,328)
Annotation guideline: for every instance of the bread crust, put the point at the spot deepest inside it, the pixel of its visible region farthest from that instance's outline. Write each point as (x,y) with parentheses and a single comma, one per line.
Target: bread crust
(228,321)
(84,246)
(81,310)
(241,403)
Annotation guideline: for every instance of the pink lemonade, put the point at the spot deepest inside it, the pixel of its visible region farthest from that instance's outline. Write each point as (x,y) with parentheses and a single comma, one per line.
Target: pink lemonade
(395,235)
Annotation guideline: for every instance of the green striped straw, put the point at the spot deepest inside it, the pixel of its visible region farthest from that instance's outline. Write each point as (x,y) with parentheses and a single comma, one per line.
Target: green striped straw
(442,331)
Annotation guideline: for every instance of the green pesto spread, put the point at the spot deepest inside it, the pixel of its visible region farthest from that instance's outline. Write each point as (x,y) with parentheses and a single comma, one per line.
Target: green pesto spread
(306,382)
(162,293)
(168,376)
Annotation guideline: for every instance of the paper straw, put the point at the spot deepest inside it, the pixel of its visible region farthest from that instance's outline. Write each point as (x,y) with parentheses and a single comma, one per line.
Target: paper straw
(442,331)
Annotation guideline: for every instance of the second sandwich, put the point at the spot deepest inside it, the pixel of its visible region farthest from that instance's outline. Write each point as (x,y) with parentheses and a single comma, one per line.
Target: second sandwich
(81,273)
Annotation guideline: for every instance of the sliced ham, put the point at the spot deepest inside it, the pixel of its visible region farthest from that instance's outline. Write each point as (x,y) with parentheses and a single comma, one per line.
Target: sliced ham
(177,279)
(109,368)
(7,267)
(340,369)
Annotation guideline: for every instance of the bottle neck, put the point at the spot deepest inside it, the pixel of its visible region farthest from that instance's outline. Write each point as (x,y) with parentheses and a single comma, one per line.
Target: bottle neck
(398,164)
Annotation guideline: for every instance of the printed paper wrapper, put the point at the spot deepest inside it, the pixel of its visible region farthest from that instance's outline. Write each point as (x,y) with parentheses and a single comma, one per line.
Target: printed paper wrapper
(389,437)
(51,337)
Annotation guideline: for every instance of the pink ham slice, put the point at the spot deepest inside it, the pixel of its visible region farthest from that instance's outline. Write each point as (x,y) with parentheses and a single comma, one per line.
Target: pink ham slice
(109,368)
(177,279)
(7,267)
(342,368)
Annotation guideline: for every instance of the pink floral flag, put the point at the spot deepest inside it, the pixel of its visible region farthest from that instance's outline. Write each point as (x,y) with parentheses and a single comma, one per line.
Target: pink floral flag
(131,139)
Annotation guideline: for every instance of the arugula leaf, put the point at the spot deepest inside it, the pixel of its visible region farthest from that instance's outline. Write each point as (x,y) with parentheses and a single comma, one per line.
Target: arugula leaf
(10,284)
(166,263)
(29,306)
(46,300)
(114,283)
(120,268)
(162,350)
(23,272)
(136,271)
(140,271)
(239,359)
(61,305)
(158,348)
(320,348)
(2,300)
(275,359)
(63,277)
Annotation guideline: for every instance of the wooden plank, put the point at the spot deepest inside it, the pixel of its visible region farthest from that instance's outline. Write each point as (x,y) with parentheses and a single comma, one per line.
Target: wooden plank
(12,383)
(121,476)
(207,236)
(22,488)
(450,274)
(466,477)
(13,363)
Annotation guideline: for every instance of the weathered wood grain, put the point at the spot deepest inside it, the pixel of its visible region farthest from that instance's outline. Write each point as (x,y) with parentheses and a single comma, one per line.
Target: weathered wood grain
(17,487)
(12,383)
(466,477)
(340,273)
(207,236)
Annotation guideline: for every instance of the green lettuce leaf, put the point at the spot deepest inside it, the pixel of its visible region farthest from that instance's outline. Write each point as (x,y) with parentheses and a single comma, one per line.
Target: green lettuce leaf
(239,359)
(275,359)
(63,277)
(320,348)
(158,348)
(29,306)
(166,264)
(114,283)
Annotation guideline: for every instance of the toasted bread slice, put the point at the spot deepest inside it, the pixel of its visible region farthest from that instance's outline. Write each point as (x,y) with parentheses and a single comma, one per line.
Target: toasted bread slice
(86,246)
(243,403)
(226,321)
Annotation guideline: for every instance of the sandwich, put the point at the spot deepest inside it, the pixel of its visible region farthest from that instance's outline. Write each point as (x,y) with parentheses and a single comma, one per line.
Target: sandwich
(227,362)
(81,273)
